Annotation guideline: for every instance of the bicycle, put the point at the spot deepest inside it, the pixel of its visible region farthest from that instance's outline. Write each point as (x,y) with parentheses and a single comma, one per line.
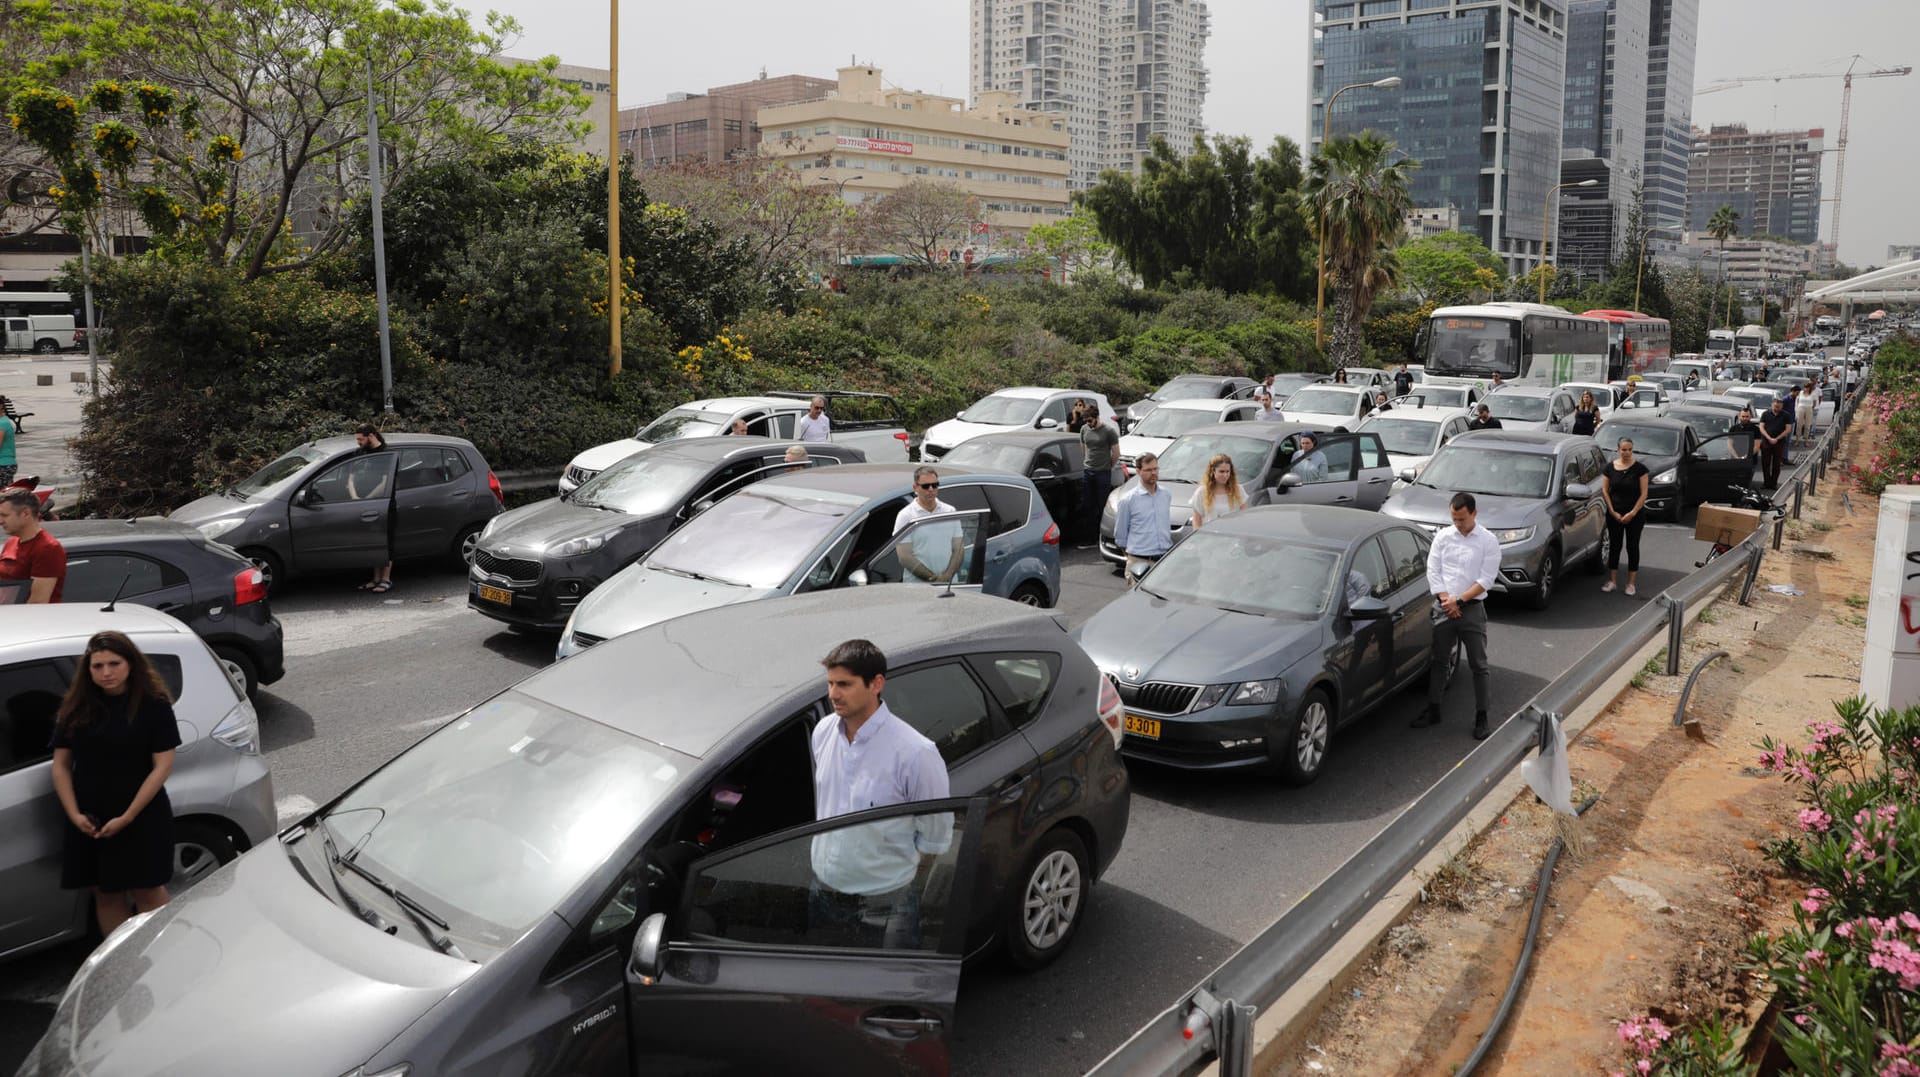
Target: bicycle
(1744,498)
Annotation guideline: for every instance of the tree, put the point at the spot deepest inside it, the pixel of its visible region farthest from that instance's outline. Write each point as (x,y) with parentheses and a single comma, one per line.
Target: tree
(1450,268)
(1365,202)
(1069,246)
(785,222)
(1723,225)
(922,218)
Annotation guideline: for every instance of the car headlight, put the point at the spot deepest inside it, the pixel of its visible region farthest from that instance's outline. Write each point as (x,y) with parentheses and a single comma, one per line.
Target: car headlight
(240,729)
(1209,696)
(1513,534)
(1263,693)
(576,547)
(1666,477)
(213,529)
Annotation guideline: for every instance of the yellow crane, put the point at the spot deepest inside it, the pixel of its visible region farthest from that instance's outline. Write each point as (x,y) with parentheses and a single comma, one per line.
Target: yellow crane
(1846,108)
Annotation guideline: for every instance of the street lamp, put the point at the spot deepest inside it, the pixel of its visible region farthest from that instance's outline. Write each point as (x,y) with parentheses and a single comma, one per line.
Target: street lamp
(1326,135)
(1546,218)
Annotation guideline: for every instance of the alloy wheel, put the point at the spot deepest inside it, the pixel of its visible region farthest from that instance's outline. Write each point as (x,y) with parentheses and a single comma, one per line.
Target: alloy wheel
(1052,899)
(1310,743)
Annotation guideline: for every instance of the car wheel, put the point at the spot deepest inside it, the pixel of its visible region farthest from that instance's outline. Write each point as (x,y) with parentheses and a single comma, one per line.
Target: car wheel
(199,848)
(240,668)
(1542,594)
(466,543)
(1030,594)
(46,347)
(1045,912)
(272,572)
(1598,562)
(1302,751)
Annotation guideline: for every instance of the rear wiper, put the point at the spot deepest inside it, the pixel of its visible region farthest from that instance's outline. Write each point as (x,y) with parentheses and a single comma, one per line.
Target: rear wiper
(423,918)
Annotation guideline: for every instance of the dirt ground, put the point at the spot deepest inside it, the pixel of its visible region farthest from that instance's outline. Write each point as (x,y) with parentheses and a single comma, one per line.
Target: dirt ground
(1662,880)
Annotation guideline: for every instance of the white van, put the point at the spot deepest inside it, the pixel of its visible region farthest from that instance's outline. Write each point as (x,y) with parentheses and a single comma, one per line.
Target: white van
(44,333)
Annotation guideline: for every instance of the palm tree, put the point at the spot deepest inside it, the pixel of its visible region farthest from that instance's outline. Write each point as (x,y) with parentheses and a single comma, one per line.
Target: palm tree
(1723,225)
(1365,202)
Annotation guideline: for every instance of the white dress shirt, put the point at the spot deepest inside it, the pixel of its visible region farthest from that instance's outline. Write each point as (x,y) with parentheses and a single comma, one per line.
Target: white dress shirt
(812,429)
(932,545)
(1457,561)
(888,762)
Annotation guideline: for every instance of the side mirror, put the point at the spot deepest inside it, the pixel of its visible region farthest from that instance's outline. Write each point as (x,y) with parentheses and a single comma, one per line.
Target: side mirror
(960,415)
(1578,491)
(1289,481)
(649,949)
(305,497)
(858,577)
(1048,424)
(1042,474)
(1699,456)
(1408,474)
(567,495)
(1367,609)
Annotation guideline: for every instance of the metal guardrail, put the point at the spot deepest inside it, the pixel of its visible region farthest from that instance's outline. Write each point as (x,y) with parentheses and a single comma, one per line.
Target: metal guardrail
(1214,1021)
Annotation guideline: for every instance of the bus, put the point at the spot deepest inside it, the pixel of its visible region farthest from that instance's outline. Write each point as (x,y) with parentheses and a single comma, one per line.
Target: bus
(1522,342)
(1640,344)
(27,304)
(1751,338)
(1719,345)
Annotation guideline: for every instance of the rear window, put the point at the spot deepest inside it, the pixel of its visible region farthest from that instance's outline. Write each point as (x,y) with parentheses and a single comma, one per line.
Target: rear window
(1008,507)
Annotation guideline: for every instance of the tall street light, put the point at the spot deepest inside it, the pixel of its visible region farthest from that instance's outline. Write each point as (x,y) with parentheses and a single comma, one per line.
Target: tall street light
(1546,219)
(1326,135)
(614,291)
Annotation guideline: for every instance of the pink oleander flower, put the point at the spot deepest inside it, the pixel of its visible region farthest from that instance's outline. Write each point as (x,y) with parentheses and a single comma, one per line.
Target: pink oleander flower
(1814,820)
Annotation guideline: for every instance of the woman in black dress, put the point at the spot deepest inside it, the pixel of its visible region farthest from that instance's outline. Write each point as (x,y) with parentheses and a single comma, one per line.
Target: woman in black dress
(112,752)
(1586,417)
(1626,494)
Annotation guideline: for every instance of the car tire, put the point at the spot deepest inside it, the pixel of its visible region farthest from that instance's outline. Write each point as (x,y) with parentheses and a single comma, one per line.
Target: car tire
(199,849)
(1598,562)
(1300,753)
(1030,594)
(465,543)
(239,666)
(46,347)
(1045,910)
(1679,509)
(1542,594)
(270,566)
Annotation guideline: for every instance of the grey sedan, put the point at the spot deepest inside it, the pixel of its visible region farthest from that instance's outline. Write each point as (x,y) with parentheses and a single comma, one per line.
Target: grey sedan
(1532,407)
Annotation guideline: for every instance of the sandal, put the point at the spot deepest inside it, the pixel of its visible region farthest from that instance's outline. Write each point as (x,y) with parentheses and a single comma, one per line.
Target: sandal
(369,585)
(382,587)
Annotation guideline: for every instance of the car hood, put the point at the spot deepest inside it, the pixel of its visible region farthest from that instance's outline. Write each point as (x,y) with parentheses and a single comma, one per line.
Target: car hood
(1132,445)
(210,508)
(529,531)
(1138,637)
(1320,420)
(638,596)
(602,457)
(1658,462)
(1432,508)
(954,431)
(247,970)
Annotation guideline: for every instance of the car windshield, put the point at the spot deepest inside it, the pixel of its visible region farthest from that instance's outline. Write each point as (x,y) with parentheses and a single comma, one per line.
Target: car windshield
(1442,396)
(277,476)
(1510,405)
(1404,437)
(1647,440)
(1246,573)
(756,538)
(1460,468)
(492,820)
(643,484)
(1173,422)
(981,452)
(1285,385)
(1187,390)
(1002,410)
(1186,459)
(1319,401)
(1665,381)
(1709,424)
(683,423)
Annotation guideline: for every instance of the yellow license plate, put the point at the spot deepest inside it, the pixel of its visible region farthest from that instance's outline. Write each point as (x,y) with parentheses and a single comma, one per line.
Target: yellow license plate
(1142,727)
(495,594)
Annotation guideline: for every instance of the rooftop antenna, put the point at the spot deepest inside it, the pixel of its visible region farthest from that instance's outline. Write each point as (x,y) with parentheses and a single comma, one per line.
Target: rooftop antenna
(117,592)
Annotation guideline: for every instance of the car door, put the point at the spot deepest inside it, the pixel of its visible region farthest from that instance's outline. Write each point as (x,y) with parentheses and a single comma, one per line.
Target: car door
(341,518)
(33,907)
(1373,480)
(1713,467)
(98,575)
(1057,479)
(1410,602)
(1587,525)
(1339,485)
(429,501)
(930,545)
(1055,410)
(1363,650)
(761,972)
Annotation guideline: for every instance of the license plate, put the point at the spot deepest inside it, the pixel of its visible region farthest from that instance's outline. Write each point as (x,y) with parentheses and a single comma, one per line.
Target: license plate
(495,594)
(1142,727)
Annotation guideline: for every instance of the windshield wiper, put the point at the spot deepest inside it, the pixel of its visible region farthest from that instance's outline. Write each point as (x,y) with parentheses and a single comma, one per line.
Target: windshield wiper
(1236,609)
(691,575)
(423,918)
(1149,591)
(331,853)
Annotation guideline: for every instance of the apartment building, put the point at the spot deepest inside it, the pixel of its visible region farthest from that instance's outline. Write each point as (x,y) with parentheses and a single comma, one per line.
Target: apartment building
(1770,178)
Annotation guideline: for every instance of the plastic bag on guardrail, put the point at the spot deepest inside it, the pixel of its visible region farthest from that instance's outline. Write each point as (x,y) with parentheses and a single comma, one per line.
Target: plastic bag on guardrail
(1547,773)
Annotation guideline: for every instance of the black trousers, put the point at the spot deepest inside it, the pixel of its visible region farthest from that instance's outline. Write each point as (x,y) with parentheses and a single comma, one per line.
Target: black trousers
(1771,454)
(1628,535)
(1095,485)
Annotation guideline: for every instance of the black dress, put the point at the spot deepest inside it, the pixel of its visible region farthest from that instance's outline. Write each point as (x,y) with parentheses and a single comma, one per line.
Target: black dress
(1585,422)
(111,760)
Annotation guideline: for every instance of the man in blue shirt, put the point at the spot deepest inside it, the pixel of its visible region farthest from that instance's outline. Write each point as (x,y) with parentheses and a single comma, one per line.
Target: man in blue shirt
(1142,528)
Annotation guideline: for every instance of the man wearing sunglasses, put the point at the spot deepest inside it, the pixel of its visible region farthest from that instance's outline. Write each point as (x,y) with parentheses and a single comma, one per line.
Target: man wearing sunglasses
(920,553)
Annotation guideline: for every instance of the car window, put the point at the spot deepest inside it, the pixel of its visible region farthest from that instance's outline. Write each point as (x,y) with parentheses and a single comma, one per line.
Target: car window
(928,544)
(1372,453)
(361,477)
(1596,464)
(455,462)
(1076,457)
(97,577)
(1056,410)
(1368,575)
(1020,682)
(1406,556)
(1008,507)
(1334,463)
(30,695)
(946,705)
(783,423)
(421,466)
(1051,457)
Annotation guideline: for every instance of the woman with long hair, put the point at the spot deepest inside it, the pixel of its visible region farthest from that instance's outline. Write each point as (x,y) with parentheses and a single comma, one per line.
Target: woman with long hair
(1220,494)
(1625,492)
(1586,417)
(113,745)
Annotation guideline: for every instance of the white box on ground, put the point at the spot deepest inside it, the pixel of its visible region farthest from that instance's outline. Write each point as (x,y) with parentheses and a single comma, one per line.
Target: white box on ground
(1890,666)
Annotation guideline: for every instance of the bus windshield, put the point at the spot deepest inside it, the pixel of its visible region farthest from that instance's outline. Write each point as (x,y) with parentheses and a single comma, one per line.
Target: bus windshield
(1479,347)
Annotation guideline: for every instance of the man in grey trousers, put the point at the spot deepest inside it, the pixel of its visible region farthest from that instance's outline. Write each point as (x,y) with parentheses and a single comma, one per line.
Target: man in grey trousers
(1461,567)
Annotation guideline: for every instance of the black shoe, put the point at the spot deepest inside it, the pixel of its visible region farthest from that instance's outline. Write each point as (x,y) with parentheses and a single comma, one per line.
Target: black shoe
(1430,716)
(1481,730)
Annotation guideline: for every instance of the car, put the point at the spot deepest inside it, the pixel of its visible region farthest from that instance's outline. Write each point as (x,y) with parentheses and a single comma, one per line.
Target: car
(1674,384)
(1335,408)
(1707,419)
(1758,397)
(1024,407)
(869,422)
(1441,396)
(1175,417)
(1702,370)
(201,583)
(326,505)
(1411,435)
(560,878)
(1533,407)
(1538,492)
(1285,385)
(1684,469)
(1190,387)
(1264,632)
(221,794)
(533,565)
(1607,395)
(1357,472)
(1712,402)
(1053,460)
(1371,377)
(1644,399)
(825,528)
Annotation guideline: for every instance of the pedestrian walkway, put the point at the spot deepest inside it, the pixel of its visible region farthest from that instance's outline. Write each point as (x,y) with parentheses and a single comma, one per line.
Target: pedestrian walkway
(55,420)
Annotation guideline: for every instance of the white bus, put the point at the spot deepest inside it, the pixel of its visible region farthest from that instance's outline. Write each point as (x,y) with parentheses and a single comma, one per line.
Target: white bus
(1522,342)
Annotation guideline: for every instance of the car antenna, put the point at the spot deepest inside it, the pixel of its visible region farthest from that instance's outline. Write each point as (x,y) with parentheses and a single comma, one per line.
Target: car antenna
(117,592)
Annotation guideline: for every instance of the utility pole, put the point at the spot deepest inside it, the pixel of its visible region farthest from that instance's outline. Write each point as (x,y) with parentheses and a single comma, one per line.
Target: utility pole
(614,291)
(379,243)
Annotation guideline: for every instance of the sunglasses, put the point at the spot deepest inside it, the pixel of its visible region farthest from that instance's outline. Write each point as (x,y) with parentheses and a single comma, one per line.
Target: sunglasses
(927,485)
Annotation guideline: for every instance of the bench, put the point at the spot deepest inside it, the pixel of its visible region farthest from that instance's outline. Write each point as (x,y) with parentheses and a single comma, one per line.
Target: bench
(14,413)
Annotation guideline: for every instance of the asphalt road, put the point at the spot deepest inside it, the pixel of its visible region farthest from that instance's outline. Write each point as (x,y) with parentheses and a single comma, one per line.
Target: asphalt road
(1208,862)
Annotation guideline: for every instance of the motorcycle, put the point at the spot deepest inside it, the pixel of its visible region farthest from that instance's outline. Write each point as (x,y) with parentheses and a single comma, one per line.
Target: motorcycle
(44,494)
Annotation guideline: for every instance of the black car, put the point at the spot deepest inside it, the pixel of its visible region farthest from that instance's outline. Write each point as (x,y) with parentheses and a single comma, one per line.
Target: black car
(1053,459)
(1685,469)
(533,565)
(173,568)
(1189,387)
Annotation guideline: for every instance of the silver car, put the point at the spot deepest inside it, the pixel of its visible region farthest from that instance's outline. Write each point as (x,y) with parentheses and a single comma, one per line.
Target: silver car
(1532,407)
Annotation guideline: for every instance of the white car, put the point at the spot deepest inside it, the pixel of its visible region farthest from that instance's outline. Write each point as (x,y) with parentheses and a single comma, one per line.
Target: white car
(1175,417)
(1413,434)
(1605,394)
(1443,397)
(765,415)
(1329,407)
(1024,407)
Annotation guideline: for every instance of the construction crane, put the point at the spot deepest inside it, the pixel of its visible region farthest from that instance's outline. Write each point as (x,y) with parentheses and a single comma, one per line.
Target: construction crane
(1846,109)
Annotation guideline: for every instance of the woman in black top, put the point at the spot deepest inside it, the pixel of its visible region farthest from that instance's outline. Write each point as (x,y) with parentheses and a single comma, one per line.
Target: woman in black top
(112,752)
(1626,495)
(1586,417)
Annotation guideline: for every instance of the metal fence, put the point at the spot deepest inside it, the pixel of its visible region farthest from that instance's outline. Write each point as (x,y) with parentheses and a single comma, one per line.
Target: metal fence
(1214,1021)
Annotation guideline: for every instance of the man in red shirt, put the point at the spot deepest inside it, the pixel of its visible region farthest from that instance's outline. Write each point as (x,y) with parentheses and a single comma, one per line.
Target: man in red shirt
(30,553)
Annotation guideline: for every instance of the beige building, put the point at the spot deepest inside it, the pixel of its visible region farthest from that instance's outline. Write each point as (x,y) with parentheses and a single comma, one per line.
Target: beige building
(719,125)
(869,140)
(1750,263)
(597,84)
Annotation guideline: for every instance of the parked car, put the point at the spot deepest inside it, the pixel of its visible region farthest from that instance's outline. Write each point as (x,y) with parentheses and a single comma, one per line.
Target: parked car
(1411,435)
(1190,387)
(222,798)
(1538,492)
(1441,396)
(869,422)
(1053,460)
(1024,407)
(1684,468)
(1607,395)
(1758,396)
(425,495)
(42,333)
(1355,472)
(826,528)
(1263,633)
(1370,377)
(1285,385)
(1168,421)
(1700,367)
(1644,400)
(564,880)
(1336,408)
(534,564)
(1533,407)
(174,568)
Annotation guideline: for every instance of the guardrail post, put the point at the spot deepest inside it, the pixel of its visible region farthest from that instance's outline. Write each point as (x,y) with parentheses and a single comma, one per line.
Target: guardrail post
(1813,479)
(1798,491)
(1754,555)
(1676,622)
(1232,1027)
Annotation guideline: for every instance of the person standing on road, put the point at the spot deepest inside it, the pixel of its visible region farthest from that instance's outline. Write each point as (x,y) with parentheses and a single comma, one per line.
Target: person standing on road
(1776,428)
(1626,496)
(1586,417)
(1101,443)
(31,555)
(1461,567)
(920,553)
(1402,381)
(9,451)
(1806,406)
(1484,421)
(113,745)
(814,425)
(370,440)
(1220,494)
(1743,424)
(1268,412)
(1309,463)
(1142,528)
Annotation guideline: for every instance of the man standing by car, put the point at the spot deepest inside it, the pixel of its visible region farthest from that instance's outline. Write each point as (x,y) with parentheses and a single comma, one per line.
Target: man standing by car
(1776,429)
(1484,421)
(1402,381)
(814,425)
(31,555)
(1461,566)
(1268,411)
(919,554)
(1101,441)
(1142,528)
(865,757)
(1744,424)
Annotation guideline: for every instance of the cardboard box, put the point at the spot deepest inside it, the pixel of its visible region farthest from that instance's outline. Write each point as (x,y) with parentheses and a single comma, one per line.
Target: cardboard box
(1725,524)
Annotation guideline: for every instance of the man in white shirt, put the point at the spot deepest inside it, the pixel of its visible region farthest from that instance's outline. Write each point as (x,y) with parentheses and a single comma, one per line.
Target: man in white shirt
(1461,568)
(814,425)
(867,879)
(933,553)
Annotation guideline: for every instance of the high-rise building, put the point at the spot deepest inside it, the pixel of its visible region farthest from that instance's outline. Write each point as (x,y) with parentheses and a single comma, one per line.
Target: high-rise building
(1672,36)
(1770,178)
(1480,105)
(1120,71)
(1605,137)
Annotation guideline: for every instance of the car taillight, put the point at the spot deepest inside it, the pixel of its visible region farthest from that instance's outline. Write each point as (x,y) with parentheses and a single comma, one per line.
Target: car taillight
(1110,709)
(901,436)
(493,483)
(1052,537)
(249,585)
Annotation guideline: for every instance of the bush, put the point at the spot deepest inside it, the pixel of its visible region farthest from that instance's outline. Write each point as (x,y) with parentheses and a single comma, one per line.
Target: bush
(1896,403)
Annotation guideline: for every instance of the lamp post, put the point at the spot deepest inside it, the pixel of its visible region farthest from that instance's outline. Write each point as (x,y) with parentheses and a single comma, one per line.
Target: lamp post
(1326,135)
(614,291)
(1546,221)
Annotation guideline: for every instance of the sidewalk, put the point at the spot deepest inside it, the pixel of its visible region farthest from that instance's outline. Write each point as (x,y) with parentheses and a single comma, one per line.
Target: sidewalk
(56,408)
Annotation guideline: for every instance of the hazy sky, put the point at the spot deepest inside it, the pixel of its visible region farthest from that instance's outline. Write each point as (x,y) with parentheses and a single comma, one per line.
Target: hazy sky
(1258,60)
